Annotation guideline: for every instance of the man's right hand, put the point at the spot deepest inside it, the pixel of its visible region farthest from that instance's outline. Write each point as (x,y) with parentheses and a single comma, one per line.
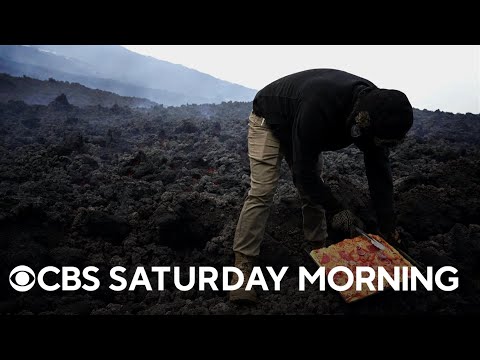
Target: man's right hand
(345,221)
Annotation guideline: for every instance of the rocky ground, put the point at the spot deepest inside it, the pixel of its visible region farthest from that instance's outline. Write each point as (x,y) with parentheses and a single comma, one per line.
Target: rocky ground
(164,187)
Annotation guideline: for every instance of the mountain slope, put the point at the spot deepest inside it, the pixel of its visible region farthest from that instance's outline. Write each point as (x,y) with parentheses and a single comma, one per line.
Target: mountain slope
(117,69)
(116,62)
(42,92)
(39,72)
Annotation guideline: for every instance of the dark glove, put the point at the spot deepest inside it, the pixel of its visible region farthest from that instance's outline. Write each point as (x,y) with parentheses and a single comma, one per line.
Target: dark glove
(392,237)
(345,221)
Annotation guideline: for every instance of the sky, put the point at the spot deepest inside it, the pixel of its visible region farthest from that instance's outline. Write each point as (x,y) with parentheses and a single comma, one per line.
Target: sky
(445,77)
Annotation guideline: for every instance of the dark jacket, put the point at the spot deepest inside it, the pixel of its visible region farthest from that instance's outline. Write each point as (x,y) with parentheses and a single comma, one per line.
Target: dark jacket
(308,112)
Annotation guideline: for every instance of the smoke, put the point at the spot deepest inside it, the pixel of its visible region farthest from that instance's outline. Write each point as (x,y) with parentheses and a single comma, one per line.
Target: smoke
(132,74)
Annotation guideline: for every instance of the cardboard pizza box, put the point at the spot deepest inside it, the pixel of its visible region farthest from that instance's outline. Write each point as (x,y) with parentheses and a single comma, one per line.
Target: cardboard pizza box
(359,251)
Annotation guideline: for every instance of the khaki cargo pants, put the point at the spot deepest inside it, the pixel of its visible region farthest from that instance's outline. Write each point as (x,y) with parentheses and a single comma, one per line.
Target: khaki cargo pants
(265,156)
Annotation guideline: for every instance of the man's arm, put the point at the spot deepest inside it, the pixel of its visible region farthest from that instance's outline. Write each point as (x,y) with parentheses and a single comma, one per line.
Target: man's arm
(379,176)
(304,162)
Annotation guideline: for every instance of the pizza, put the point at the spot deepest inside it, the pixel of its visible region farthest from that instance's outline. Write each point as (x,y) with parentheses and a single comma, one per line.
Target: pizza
(358,251)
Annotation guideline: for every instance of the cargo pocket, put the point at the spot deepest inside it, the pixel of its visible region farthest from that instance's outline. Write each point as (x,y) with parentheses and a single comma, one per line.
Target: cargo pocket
(263,146)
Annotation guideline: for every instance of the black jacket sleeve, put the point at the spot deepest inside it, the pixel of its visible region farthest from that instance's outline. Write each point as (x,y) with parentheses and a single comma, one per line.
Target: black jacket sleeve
(304,164)
(379,176)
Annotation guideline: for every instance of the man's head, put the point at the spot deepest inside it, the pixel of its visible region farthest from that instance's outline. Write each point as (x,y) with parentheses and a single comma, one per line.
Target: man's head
(382,117)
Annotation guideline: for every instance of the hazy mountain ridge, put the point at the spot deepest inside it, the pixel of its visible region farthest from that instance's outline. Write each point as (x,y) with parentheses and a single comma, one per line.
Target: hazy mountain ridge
(150,72)
(9,66)
(42,92)
(116,69)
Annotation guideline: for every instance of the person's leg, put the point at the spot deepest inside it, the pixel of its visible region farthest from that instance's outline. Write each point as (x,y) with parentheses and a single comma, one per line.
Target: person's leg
(265,159)
(314,220)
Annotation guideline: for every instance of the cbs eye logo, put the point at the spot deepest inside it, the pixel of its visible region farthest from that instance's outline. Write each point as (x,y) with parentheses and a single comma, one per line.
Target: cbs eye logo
(22,278)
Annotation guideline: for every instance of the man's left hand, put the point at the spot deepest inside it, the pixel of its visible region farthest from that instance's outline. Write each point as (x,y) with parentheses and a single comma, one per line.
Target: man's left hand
(392,237)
